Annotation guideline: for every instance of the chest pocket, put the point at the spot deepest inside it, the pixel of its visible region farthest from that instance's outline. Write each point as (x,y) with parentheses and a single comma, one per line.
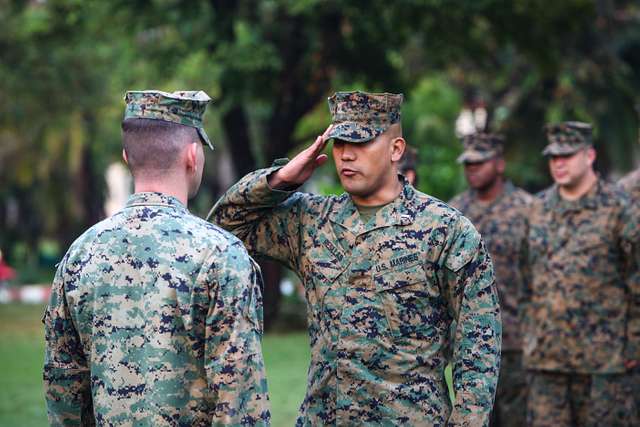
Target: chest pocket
(411,301)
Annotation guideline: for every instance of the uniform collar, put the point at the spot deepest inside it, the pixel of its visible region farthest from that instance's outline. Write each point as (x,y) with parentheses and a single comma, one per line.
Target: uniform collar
(398,212)
(154,199)
(507,190)
(588,201)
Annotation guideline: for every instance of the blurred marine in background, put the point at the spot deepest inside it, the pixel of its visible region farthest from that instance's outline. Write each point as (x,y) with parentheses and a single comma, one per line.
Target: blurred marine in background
(408,165)
(583,314)
(155,315)
(498,210)
(631,184)
(387,270)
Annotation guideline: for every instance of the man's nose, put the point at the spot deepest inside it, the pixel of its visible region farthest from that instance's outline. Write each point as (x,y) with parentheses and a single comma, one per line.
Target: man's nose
(348,152)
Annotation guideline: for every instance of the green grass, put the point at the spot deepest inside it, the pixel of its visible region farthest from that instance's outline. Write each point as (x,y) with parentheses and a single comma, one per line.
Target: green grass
(287,360)
(21,357)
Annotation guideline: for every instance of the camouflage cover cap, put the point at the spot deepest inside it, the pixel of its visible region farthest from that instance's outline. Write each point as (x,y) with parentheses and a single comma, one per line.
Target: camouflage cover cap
(360,116)
(567,138)
(182,107)
(480,146)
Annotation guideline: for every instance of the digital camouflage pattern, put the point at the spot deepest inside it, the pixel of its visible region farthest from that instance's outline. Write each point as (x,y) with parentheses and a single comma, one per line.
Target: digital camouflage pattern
(381,301)
(361,116)
(182,107)
(567,138)
(155,319)
(631,184)
(480,146)
(503,227)
(567,400)
(583,303)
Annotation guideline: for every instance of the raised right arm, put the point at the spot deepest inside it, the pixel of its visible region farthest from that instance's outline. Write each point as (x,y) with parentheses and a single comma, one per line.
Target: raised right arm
(263,212)
(265,219)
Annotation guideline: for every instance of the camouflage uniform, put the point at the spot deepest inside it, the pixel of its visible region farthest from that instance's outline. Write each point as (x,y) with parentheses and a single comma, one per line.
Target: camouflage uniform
(155,319)
(582,304)
(631,184)
(381,299)
(502,224)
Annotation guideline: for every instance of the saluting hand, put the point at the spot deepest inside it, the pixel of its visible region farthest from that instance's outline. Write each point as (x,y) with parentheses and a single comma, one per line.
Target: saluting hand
(301,167)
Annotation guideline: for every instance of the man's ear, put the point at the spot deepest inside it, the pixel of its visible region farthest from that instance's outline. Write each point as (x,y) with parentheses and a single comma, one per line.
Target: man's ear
(124,157)
(591,155)
(398,146)
(192,156)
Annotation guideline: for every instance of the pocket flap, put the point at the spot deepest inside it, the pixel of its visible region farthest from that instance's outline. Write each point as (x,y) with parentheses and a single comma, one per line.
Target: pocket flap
(397,279)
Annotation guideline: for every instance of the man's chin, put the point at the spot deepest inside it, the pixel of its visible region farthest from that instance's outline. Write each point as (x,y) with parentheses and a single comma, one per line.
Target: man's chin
(562,182)
(354,190)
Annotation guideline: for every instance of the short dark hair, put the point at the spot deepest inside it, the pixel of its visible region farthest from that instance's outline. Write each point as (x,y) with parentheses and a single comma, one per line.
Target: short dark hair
(152,146)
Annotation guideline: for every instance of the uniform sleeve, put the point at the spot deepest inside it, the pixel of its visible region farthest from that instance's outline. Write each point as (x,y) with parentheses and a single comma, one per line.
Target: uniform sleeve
(524,299)
(266,220)
(631,250)
(67,386)
(473,298)
(234,364)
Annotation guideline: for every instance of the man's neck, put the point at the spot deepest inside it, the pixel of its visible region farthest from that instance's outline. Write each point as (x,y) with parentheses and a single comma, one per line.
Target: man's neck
(581,188)
(382,197)
(176,190)
(491,193)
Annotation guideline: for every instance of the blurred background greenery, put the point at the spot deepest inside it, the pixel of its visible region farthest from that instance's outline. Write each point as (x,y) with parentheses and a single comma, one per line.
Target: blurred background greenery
(270,65)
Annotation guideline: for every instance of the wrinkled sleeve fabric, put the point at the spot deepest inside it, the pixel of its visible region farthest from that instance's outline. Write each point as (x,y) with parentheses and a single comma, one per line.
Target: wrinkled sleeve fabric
(233,355)
(473,299)
(266,220)
(66,375)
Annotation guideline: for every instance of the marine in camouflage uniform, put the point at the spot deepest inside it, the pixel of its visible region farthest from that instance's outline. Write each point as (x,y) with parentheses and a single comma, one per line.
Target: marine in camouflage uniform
(382,294)
(582,304)
(498,210)
(631,184)
(155,315)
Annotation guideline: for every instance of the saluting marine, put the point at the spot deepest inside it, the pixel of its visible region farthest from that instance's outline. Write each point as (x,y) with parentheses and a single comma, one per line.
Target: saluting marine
(387,270)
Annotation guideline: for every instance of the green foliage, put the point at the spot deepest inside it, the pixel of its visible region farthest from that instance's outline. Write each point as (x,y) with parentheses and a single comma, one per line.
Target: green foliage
(429,118)
(270,66)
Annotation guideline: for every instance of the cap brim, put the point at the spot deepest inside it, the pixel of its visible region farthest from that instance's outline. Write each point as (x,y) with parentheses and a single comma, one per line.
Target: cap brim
(205,138)
(556,149)
(472,156)
(354,132)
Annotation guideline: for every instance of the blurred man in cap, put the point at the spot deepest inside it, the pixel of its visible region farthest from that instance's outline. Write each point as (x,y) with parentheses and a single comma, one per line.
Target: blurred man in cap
(582,309)
(387,270)
(408,165)
(498,209)
(155,315)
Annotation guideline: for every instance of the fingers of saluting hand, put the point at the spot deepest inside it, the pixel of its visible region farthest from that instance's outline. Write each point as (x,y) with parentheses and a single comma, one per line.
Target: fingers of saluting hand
(321,141)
